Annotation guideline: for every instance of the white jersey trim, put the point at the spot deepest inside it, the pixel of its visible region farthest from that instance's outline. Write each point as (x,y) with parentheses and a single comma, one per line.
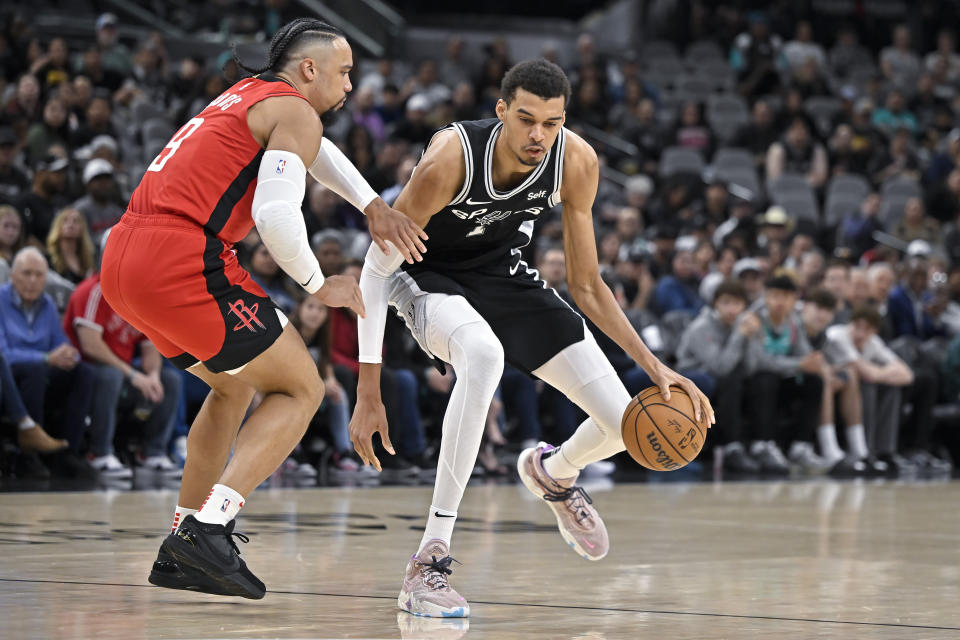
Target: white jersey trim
(554,199)
(488,169)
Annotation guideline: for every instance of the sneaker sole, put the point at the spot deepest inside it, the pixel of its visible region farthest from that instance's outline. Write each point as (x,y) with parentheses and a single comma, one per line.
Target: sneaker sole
(535,489)
(234,584)
(431,610)
(188,580)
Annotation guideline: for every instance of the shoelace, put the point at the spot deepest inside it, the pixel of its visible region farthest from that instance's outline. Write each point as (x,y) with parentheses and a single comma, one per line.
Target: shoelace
(575,495)
(230,538)
(435,573)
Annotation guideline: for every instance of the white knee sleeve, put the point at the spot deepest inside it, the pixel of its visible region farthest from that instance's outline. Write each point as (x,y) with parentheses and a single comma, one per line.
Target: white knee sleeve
(583,374)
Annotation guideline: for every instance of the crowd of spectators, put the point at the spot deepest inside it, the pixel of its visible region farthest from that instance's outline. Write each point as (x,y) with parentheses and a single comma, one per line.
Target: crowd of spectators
(778,215)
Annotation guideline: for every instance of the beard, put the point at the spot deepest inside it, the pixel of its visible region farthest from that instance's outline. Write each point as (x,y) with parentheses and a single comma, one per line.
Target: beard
(328,117)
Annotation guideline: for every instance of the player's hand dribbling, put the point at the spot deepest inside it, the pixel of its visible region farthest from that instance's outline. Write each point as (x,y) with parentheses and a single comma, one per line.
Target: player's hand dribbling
(342,291)
(369,417)
(663,376)
(389,225)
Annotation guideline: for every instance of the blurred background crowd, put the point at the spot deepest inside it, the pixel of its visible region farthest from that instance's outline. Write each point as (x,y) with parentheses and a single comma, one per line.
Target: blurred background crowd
(778,215)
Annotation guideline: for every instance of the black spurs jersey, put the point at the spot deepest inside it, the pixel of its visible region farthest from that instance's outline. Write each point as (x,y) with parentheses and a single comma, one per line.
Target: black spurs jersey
(483,226)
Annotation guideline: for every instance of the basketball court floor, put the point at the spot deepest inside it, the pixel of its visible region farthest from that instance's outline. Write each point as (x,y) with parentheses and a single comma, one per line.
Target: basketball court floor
(784,560)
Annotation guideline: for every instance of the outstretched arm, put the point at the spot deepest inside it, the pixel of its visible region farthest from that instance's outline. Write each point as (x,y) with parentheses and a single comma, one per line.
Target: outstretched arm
(592,295)
(334,170)
(435,182)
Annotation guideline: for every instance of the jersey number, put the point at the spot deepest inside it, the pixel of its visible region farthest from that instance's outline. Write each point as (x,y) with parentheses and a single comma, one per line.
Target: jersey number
(185,132)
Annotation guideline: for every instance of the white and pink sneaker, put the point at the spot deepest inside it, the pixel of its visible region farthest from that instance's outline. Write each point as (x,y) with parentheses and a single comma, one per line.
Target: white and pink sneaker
(426,591)
(578,520)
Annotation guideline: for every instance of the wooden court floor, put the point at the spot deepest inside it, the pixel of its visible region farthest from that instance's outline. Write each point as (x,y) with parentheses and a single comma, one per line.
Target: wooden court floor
(735,560)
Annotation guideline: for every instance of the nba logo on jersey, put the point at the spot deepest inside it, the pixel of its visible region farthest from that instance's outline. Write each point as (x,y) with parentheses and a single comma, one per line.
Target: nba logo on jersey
(281,166)
(226,503)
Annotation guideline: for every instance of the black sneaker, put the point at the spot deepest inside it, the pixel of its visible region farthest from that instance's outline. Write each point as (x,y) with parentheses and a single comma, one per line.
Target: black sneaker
(849,467)
(736,460)
(210,549)
(168,573)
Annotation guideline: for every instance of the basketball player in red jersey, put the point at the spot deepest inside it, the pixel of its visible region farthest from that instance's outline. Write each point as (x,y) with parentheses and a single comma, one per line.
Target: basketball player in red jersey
(169,269)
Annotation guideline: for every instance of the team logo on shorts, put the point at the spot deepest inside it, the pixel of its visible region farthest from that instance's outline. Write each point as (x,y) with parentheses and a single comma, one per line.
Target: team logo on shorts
(281,166)
(248,315)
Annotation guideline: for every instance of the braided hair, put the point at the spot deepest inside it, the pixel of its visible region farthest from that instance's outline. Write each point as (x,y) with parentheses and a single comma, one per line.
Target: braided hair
(285,40)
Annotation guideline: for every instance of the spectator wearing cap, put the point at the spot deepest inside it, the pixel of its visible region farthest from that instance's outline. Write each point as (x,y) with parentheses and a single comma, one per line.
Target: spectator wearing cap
(414,127)
(41,358)
(787,381)
(910,306)
(39,205)
(867,141)
(774,226)
(99,206)
(13,181)
(899,64)
(916,224)
(678,291)
(70,246)
(749,271)
(116,56)
(51,130)
(798,152)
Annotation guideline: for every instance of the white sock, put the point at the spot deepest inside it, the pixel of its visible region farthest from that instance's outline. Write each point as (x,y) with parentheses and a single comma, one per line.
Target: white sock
(26,423)
(557,466)
(829,447)
(439,526)
(179,515)
(857,441)
(221,506)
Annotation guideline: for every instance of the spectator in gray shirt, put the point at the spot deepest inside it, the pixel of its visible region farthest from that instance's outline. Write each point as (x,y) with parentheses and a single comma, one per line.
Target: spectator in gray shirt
(717,343)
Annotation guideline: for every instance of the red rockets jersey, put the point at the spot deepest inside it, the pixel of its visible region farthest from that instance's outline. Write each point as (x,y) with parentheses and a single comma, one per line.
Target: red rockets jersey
(208,170)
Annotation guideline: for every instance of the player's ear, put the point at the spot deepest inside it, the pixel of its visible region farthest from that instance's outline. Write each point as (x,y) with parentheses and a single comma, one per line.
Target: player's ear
(308,68)
(501,109)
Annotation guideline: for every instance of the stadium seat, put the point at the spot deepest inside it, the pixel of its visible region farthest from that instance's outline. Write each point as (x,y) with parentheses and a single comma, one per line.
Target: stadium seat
(680,160)
(733,158)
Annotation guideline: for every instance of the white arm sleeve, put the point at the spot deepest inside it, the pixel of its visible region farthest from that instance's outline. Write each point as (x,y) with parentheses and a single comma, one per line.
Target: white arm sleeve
(276,212)
(374,286)
(334,170)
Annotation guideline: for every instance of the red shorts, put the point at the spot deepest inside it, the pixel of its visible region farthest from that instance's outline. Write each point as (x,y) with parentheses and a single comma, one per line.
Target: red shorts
(181,286)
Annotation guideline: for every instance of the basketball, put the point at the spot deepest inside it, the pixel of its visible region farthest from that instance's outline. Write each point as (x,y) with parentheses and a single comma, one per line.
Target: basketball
(661,435)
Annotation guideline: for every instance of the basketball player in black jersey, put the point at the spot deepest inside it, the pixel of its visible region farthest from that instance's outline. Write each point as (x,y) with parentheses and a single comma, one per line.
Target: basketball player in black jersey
(474,303)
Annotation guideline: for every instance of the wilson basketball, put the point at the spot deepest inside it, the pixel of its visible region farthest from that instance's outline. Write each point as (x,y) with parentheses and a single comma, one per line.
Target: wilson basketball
(661,435)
